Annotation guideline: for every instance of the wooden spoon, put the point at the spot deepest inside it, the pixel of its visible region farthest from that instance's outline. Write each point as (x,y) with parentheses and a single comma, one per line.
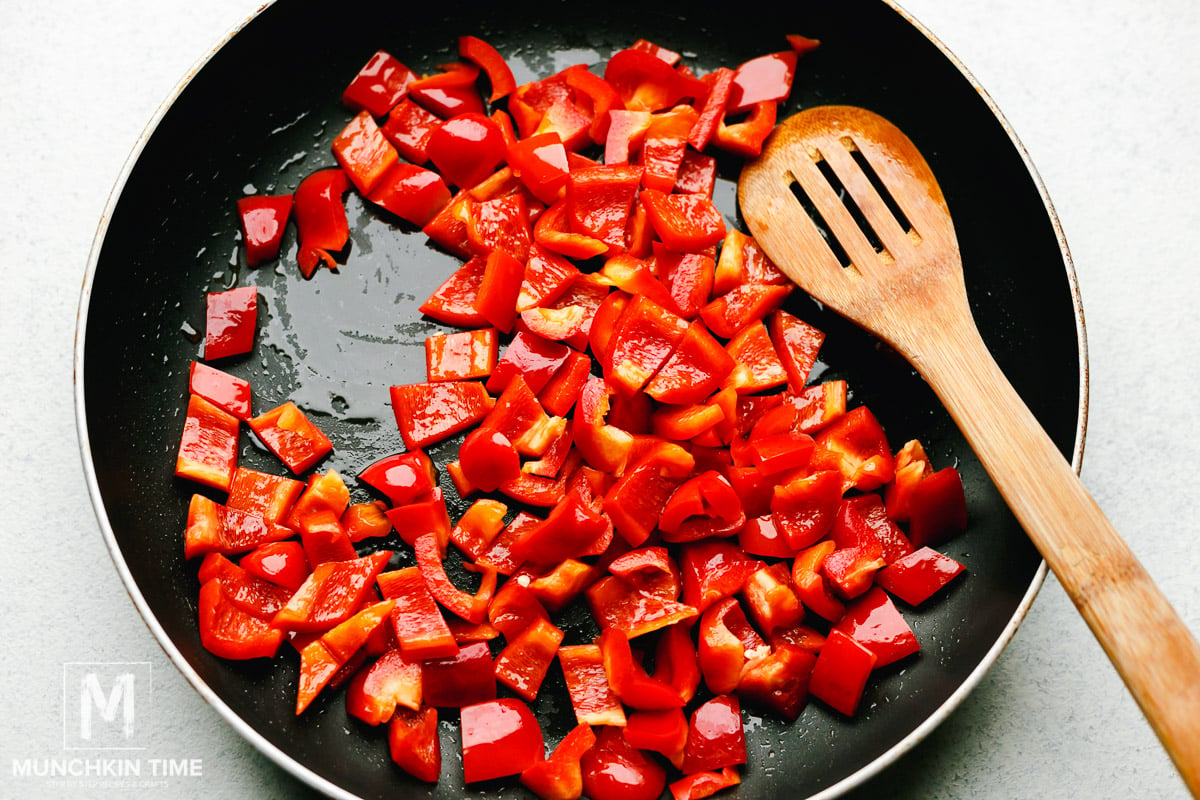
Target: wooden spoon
(900,277)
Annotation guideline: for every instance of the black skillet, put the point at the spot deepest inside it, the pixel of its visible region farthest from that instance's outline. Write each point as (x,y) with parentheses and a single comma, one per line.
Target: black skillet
(261,113)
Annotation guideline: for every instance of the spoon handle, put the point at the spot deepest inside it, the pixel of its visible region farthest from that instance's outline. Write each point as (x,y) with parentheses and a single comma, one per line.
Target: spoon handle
(1151,648)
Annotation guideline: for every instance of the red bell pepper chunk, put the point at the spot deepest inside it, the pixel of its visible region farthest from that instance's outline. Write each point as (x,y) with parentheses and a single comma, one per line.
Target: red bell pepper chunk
(912,465)
(478,527)
(797,344)
(269,496)
(661,731)
(771,598)
(603,446)
(468,606)
(613,769)
(408,127)
(729,313)
(462,355)
(569,122)
(247,591)
(228,392)
(779,682)
(518,415)
(555,457)
(675,660)
(767,78)
(499,74)
(686,222)
(862,520)
(488,459)
(594,95)
(851,570)
(410,192)
(759,367)
(802,44)
(570,531)
(628,678)
(403,478)
(414,743)
(635,276)
(705,505)
(324,539)
(321,658)
(559,394)
(746,138)
(806,507)
(874,621)
(230,321)
(320,215)
(263,219)
(500,223)
(615,603)
(466,148)
(451,92)
(552,230)
(687,277)
(499,289)
(454,301)
(699,785)
(937,508)
(697,174)
(499,556)
(712,110)
(645,336)
(694,369)
(540,161)
(560,777)
(626,131)
(592,699)
(760,536)
(366,521)
(858,446)
(363,152)
(214,528)
(429,412)
(919,575)
(529,102)
(599,201)
(664,147)
(726,643)
(664,54)
(840,674)
(713,569)
(743,261)
(208,446)
(547,277)
(459,680)
(716,738)
(532,357)
(282,563)
(391,681)
(499,737)
(228,631)
(379,85)
(809,580)
(636,500)
(418,623)
(646,82)
(291,436)
(522,665)
(331,594)
(325,492)
(514,608)
(781,452)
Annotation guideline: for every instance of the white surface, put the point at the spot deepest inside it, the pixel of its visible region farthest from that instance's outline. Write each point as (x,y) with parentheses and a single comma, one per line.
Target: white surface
(1103,95)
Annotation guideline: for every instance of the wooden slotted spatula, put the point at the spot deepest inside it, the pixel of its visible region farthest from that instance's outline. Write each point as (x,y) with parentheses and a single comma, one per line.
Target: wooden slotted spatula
(899,276)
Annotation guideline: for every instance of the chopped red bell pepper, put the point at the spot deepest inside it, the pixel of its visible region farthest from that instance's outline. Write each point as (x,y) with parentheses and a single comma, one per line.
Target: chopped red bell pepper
(324,539)
(647,83)
(560,777)
(592,699)
(540,161)
(454,301)
(685,222)
(806,507)
(479,526)
(552,230)
(616,603)
(461,679)
(246,591)
(488,459)
(595,94)
(645,336)
(811,587)
(466,148)
(208,446)
(533,357)
(523,663)
(629,680)
(599,201)
(269,496)
(745,138)
(429,412)
(937,508)
(559,394)
(765,79)
(712,110)
(729,313)
(726,643)
(716,738)
(694,369)
(418,623)
(499,74)
(613,769)
(743,261)
(331,594)
(771,598)
(325,492)
(919,575)
(450,92)
(759,367)
(547,277)
(779,682)
(321,658)
(797,344)
(874,621)
(468,606)
(391,681)
(462,355)
(912,465)
(263,219)
(228,392)
(697,174)
(781,452)
(320,215)
(215,528)
(705,505)
(603,446)
(408,127)
(366,521)
(499,289)
(687,277)
(414,743)
(663,148)
(859,448)
(703,784)
(500,223)
(291,436)
(570,531)
(403,478)
(635,502)
(662,731)
(840,674)
(412,193)
(499,737)
(364,152)
(379,85)
(228,631)
(713,569)
(282,563)
(862,520)
(230,321)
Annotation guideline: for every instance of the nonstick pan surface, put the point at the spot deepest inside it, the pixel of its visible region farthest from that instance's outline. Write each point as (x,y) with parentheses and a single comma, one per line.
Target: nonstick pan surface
(259,115)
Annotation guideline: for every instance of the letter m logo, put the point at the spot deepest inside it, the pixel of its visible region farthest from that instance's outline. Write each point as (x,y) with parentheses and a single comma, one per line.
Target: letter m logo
(101,703)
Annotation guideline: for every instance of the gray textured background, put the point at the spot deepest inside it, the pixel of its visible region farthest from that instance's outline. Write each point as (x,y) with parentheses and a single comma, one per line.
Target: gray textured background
(1104,97)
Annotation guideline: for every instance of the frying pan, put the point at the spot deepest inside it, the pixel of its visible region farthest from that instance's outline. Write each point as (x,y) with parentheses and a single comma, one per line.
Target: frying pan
(260,114)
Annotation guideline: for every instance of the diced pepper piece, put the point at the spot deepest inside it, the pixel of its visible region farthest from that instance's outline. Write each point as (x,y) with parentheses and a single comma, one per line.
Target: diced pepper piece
(912,465)
(937,508)
(412,193)
(811,586)
(429,412)
(282,563)
(451,92)
(645,336)
(323,492)
(228,392)
(363,152)
(488,459)
(919,575)
(468,606)
(587,683)
(291,436)
(694,369)
(532,357)
(613,768)
(322,657)
(797,344)
(715,738)
(241,587)
(703,784)
(779,682)
(459,680)
(703,506)
(745,138)
(407,127)
(462,355)
(873,620)
(712,110)
(857,445)
(331,594)
(806,507)
(379,85)
(635,502)
(713,569)
(320,215)
(685,222)
(229,632)
(767,78)
(743,261)
(478,527)
(414,743)
(599,201)
(500,223)
(559,394)
(420,628)
(771,599)
(688,278)
(646,82)
(615,603)
(729,313)
(208,446)
(758,365)
(499,74)
(230,320)
(560,777)
(263,219)
(540,161)
(215,528)
(726,643)
(862,520)
(523,663)
(629,680)
(662,731)
(392,681)
(840,674)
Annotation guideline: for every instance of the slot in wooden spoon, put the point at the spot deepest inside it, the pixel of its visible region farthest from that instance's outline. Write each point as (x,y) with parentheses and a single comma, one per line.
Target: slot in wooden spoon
(890,263)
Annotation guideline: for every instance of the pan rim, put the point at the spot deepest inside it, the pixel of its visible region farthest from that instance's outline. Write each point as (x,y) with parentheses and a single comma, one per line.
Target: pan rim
(305,774)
